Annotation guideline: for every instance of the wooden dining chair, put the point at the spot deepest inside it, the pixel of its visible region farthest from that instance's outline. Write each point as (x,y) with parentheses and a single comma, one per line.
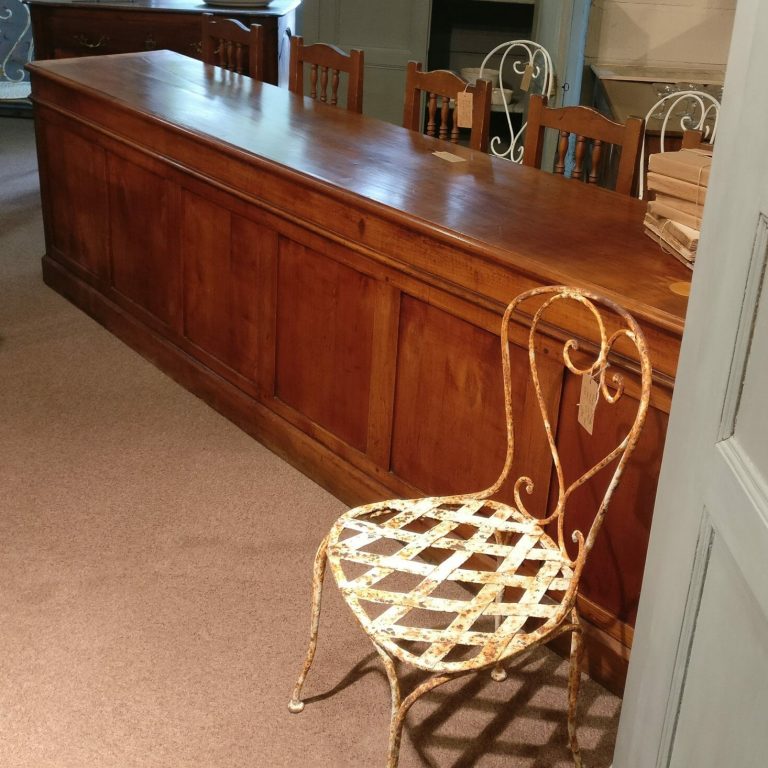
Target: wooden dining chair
(444,87)
(459,584)
(231,45)
(326,63)
(589,127)
(695,140)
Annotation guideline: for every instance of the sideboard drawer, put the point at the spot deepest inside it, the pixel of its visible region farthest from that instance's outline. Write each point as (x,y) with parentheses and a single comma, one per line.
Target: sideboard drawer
(73,29)
(97,33)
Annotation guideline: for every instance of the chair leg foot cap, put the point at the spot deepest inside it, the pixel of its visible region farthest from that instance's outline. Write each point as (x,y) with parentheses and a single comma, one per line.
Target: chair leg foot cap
(499,675)
(295,706)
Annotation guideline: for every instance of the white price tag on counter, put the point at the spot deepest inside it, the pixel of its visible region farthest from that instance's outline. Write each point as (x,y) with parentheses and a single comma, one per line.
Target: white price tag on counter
(450,157)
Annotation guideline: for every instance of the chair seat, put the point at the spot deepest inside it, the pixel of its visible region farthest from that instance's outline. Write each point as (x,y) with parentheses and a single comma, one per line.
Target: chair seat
(450,584)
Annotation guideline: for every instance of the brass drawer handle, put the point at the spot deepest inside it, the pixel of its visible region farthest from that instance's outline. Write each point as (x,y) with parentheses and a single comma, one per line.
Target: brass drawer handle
(150,43)
(83,40)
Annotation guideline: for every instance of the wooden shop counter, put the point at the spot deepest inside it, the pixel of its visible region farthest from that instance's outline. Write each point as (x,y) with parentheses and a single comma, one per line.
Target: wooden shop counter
(334,288)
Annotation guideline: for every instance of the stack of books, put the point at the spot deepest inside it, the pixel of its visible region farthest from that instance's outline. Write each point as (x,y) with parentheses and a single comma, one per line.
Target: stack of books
(678,183)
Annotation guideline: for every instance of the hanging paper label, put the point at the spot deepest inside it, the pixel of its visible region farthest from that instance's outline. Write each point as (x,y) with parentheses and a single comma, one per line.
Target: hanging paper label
(525,83)
(590,394)
(464,109)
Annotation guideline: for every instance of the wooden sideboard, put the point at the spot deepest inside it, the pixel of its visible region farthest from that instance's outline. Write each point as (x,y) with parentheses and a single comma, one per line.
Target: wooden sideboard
(333,287)
(62,29)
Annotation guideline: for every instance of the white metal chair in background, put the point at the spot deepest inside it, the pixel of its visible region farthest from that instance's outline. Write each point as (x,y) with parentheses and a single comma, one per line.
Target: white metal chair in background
(524,68)
(684,111)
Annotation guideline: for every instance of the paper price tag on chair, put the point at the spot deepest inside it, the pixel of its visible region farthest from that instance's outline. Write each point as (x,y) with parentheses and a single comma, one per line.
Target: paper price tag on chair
(590,394)
(525,83)
(464,109)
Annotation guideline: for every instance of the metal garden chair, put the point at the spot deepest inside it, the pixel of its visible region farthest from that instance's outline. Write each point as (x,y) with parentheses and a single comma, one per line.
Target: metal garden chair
(525,68)
(693,113)
(511,581)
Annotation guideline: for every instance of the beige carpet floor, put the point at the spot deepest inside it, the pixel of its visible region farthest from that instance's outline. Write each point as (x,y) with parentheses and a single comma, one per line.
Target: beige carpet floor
(155,572)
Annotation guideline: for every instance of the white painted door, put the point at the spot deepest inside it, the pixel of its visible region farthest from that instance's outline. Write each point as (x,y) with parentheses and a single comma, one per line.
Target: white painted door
(391,34)
(697,692)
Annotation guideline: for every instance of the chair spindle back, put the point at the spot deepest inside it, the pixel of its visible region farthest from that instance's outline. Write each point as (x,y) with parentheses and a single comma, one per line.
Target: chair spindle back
(589,127)
(231,45)
(326,64)
(441,89)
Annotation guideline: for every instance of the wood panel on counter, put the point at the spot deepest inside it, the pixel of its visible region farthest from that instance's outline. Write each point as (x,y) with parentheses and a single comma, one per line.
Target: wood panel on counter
(326,282)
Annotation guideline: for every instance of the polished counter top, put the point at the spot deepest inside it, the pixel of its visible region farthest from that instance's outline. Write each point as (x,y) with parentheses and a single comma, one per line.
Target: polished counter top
(561,230)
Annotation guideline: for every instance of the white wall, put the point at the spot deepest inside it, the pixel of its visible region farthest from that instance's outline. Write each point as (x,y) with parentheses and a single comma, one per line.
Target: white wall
(660,32)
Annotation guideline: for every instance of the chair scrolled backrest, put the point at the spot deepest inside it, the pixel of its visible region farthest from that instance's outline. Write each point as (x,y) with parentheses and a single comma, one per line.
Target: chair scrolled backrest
(231,45)
(326,62)
(589,127)
(443,86)
(524,69)
(694,113)
(604,326)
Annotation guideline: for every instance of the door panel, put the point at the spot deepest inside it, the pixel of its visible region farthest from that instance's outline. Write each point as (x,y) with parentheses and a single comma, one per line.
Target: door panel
(449,373)
(728,669)
(223,257)
(144,243)
(751,430)
(325,321)
(78,199)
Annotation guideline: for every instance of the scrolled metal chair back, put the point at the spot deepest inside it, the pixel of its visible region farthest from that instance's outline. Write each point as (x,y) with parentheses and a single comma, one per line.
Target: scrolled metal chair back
(684,111)
(518,57)
(611,389)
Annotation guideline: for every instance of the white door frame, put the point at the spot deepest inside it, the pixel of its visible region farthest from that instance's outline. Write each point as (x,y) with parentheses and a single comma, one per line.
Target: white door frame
(694,502)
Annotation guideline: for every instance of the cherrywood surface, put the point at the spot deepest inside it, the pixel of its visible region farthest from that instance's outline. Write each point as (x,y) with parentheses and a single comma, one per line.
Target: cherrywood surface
(324,366)
(335,289)
(68,29)
(443,86)
(223,273)
(520,220)
(584,123)
(143,268)
(326,63)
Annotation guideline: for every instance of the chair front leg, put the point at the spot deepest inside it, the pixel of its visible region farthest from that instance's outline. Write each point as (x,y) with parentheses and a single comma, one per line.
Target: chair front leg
(400,708)
(296,705)
(395,722)
(574,681)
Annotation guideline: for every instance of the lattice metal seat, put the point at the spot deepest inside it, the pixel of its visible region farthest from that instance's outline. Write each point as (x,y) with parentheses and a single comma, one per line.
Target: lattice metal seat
(457,584)
(529,562)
